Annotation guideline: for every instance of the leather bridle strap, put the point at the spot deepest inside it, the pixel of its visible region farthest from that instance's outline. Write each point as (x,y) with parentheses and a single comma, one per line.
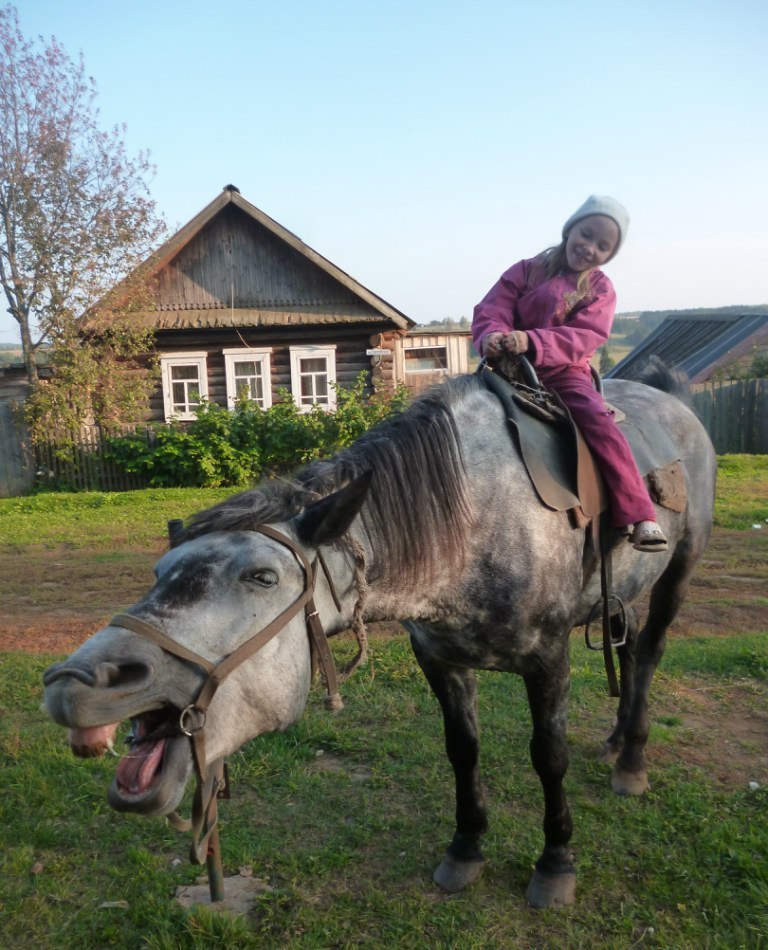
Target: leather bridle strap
(210,781)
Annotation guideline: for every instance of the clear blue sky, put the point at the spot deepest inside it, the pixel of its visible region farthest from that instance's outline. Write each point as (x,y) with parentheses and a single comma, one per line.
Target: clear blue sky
(425,145)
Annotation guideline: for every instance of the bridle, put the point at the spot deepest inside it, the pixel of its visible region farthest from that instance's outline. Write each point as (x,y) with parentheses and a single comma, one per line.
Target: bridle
(212,779)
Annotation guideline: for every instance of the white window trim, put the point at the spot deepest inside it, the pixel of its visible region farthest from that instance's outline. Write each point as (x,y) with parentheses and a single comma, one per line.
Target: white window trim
(167,360)
(313,352)
(248,354)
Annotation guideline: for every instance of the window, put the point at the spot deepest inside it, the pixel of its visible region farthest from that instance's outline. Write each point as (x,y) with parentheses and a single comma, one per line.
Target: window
(313,371)
(422,359)
(185,383)
(248,371)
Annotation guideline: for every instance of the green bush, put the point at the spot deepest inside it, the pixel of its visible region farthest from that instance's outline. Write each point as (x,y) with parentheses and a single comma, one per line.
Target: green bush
(232,448)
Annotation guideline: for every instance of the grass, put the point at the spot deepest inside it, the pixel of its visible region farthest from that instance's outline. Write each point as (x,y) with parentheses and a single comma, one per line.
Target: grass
(347,839)
(742,491)
(102,520)
(345,816)
(99,520)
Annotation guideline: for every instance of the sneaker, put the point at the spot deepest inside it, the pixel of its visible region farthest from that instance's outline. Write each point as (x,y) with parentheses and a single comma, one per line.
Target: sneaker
(648,536)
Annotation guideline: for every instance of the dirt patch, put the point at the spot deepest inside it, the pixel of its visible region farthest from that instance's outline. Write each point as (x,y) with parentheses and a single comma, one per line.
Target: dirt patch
(720,731)
(53,600)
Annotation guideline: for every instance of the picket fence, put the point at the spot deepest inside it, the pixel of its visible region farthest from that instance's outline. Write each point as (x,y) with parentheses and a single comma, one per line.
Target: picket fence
(734,413)
(84,465)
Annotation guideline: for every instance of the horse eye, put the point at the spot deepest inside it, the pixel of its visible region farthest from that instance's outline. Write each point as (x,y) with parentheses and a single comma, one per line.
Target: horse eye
(264,578)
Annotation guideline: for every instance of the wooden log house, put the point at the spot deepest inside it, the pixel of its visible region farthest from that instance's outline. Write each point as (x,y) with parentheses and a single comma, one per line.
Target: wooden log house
(239,302)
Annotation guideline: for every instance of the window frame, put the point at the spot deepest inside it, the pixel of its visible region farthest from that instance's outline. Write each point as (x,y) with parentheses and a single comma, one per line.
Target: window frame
(262,355)
(169,360)
(326,351)
(433,369)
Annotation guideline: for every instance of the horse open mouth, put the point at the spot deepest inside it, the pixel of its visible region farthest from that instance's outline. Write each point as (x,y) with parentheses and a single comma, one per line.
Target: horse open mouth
(150,777)
(141,767)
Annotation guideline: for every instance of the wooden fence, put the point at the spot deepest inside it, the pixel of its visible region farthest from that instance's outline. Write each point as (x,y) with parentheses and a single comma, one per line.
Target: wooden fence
(84,466)
(734,413)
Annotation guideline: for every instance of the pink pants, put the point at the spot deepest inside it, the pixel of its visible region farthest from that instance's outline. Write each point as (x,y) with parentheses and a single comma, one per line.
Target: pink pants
(627,495)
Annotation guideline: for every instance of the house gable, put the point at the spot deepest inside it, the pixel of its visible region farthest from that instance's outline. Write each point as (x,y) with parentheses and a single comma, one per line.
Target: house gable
(233,265)
(239,305)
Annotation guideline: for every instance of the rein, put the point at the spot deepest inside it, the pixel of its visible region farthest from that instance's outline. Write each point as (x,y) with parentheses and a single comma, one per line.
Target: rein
(212,779)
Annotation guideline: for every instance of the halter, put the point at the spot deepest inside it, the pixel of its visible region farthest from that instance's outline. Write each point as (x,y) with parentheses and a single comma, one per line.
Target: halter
(212,780)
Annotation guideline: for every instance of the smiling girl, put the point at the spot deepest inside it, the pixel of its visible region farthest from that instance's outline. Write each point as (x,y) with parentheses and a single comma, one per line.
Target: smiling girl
(557,309)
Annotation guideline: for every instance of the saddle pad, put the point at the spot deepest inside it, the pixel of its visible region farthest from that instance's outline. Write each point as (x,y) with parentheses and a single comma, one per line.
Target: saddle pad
(550,452)
(548,449)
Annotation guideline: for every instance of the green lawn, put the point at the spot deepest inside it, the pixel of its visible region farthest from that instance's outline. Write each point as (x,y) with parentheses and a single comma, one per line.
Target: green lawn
(345,816)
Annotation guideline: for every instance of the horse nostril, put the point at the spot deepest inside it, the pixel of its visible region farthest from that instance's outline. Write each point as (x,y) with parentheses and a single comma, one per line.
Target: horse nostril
(120,674)
(106,674)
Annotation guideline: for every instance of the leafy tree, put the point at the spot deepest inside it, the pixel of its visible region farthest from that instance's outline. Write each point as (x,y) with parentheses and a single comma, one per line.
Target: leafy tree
(75,213)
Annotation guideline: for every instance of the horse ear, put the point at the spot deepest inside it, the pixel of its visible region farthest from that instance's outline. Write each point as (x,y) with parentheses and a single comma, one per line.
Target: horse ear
(330,517)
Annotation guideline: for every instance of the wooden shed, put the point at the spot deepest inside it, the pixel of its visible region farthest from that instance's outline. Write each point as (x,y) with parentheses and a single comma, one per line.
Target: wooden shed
(427,355)
(238,303)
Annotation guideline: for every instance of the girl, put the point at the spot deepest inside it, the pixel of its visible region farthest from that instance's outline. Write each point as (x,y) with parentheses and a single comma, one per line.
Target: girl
(557,309)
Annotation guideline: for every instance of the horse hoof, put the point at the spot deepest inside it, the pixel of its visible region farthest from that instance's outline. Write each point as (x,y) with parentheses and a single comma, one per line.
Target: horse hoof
(624,782)
(454,876)
(551,890)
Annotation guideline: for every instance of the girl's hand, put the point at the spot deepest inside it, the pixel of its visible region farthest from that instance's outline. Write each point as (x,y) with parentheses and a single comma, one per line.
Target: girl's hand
(492,345)
(513,343)
(516,342)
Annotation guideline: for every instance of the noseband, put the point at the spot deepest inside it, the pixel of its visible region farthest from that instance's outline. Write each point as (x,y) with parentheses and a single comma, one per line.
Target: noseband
(211,780)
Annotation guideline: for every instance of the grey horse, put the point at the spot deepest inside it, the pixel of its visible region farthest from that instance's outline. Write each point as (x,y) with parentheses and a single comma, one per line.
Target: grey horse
(430,519)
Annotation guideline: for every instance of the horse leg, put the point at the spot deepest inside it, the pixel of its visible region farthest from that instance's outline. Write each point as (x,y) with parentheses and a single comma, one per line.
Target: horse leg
(456,691)
(630,775)
(626,656)
(553,883)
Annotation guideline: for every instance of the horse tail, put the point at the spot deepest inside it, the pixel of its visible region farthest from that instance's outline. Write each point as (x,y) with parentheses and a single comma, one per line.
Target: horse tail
(668,379)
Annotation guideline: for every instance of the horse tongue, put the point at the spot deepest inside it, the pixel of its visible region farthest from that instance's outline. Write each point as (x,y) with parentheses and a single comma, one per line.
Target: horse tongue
(136,770)
(92,742)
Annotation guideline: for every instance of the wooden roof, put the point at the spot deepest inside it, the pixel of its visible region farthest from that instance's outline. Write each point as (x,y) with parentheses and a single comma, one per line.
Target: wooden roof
(697,343)
(233,265)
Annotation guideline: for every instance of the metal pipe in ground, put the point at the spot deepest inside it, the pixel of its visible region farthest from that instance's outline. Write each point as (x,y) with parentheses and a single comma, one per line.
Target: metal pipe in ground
(215,868)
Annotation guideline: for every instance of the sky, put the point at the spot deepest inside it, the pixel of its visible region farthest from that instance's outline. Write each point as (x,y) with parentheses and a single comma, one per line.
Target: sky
(423,146)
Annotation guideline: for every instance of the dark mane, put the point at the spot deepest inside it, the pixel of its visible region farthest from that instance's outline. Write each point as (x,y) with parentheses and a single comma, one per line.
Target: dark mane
(417,510)
(654,372)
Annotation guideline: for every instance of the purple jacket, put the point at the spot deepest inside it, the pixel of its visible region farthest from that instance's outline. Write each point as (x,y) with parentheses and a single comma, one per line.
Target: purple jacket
(523,300)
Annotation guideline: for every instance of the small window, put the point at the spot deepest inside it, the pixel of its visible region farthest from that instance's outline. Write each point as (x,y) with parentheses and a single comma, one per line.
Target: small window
(313,373)
(185,384)
(248,371)
(422,359)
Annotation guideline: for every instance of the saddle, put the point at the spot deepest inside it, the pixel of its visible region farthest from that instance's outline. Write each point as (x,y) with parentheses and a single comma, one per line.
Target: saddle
(559,463)
(565,476)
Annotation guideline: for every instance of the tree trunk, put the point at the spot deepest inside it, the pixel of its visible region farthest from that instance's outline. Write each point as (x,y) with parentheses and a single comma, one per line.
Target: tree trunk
(29,352)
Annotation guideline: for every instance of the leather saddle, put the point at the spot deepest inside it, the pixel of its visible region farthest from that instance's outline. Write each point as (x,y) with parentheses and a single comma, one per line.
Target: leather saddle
(558,461)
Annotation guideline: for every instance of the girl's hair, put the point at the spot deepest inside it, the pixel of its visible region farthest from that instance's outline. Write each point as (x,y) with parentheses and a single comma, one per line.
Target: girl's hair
(553,261)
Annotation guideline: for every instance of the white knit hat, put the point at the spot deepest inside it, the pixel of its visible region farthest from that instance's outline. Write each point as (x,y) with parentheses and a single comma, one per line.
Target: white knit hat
(600,204)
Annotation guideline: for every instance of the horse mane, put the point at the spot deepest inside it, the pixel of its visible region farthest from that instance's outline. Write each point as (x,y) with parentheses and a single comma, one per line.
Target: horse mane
(417,509)
(654,372)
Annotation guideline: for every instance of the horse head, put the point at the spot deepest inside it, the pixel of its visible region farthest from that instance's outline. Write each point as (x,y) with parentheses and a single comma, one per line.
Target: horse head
(214,595)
